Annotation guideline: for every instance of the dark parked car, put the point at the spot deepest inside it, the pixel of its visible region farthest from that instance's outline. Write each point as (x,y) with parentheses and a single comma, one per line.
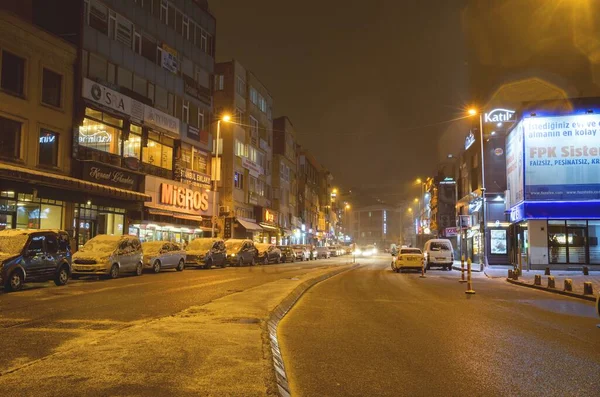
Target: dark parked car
(240,252)
(287,253)
(268,253)
(34,255)
(206,252)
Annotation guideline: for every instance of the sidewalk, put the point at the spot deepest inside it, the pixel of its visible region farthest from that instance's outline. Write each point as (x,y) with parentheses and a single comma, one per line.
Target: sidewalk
(475,266)
(577,277)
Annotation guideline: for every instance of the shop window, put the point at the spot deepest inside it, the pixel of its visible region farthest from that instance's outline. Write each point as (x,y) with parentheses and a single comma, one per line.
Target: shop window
(100,136)
(51,88)
(593,237)
(133,146)
(48,148)
(557,242)
(12,78)
(158,154)
(10,138)
(238,180)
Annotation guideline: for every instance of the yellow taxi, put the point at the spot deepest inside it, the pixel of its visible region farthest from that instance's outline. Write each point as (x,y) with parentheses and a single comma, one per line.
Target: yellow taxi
(409,258)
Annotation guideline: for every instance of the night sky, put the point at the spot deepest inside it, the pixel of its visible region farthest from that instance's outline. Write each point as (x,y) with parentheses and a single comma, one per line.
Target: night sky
(355,78)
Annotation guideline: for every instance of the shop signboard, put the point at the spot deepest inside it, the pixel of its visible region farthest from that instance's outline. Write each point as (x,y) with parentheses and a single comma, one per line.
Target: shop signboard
(254,169)
(174,196)
(499,116)
(193,133)
(498,242)
(451,232)
(156,118)
(106,97)
(110,176)
(562,158)
(514,165)
(195,178)
(227,226)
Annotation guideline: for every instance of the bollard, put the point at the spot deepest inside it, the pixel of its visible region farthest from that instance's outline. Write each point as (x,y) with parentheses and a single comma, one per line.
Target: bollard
(462,270)
(551,283)
(568,285)
(510,274)
(547,272)
(469,290)
(516,275)
(587,288)
(586,271)
(422,269)
(537,280)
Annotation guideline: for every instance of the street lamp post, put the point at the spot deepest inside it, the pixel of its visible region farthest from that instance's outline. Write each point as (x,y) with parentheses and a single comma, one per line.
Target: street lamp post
(474,112)
(225,118)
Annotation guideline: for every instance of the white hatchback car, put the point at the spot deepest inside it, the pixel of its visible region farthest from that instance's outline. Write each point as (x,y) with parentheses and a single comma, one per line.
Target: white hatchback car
(438,252)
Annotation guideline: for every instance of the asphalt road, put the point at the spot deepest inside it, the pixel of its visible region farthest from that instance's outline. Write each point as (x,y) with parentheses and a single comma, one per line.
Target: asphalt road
(372,332)
(35,322)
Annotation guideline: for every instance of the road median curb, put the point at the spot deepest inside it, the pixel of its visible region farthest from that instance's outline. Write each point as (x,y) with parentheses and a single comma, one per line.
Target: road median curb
(277,315)
(590,298)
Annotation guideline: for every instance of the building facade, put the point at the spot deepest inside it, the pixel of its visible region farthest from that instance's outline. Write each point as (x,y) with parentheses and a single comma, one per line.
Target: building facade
(379,225)
(285,184)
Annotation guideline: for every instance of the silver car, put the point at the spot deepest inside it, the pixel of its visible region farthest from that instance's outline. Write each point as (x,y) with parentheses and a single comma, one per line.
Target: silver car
(108,256)
(163,255)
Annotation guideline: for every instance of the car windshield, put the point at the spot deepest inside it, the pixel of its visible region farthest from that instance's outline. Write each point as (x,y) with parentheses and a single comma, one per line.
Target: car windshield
(439,246)
(200,244)
(102,243)
(234,245)
(413,251)
(12,245)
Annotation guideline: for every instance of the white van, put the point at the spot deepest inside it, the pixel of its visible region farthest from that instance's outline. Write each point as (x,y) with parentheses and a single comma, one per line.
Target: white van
(438,252)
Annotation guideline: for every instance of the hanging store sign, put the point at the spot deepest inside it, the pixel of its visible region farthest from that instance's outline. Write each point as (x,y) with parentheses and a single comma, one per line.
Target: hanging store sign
(178,197)
(110,176)
(106,97)
(499,116)
(170,60)
(451,232)
(156,118)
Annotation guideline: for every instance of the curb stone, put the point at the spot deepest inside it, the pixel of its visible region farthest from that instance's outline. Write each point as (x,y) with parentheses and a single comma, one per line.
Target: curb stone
(591,298)
(277,315)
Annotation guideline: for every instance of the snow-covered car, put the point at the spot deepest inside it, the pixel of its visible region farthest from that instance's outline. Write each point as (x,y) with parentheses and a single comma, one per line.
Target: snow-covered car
(323,252)
(34,255)
(313,252)
(333,251)
(287,253)
(160,255)
(267,253)
(240,252)
(302,252)
(206,252)
(109,256)
(408,258)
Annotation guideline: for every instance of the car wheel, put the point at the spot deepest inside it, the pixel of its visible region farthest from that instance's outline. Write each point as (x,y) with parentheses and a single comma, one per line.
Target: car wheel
(208,264)
(156,267)
(62,276)
(180,266)
(14,282)
(139,269)
(114,271)
(266,260)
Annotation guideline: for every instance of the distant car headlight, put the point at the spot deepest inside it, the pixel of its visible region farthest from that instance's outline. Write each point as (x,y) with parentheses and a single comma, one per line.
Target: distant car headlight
(357,252)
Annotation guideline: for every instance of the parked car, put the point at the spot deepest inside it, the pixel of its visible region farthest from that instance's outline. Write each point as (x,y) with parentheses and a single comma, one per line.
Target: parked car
(323,252)
(333,251)
(408,258)
(160,255)
(109,256)
(34,255)
(287,253)
(206,252)
(302,252)
(313,252)
(438,252)
(267,253)
(240,252)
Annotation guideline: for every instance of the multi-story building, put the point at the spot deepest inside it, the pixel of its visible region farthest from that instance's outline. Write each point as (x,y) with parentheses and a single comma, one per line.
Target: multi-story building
(36,110)
(285,185)
(308,195)
(143,106)
(379,225)
(247,154)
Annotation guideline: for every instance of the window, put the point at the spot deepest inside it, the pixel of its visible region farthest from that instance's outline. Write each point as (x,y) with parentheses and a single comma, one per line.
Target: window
(164,11)
(193,115)
(253,95)
(125,78)
(13,73)
(219,82)
(140,85)
(51,244)
(240,149)
(185,111)
(186,27)
(179,23)
(262,103)
(133,146)
(149,48)
(203,41)
(100,132)
(161,98)
(284,171)
(137,42)
(253,127)
(98,16)
(112,24)
(97,67)
(10,138)
(252,185)
(239,116)
(112,73)
(240,86)
(253,154)
(151,91)
(238,180)
(200,119)
(260,188)
(159,152)
(51,88)
(210,50)
(48,144)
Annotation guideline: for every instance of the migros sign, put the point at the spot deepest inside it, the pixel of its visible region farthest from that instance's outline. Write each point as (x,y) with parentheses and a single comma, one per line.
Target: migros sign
(182,197)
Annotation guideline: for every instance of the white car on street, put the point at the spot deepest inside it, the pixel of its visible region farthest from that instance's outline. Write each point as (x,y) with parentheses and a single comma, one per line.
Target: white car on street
(438,252)
(160,255)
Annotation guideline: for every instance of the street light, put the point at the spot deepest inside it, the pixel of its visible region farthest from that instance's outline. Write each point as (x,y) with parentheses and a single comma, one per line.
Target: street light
(226,118)
(475,112)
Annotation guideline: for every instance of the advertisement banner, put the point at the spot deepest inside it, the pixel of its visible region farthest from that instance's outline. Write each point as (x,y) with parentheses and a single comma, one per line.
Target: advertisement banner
(170,59)
(562,157)
(156,118)
(514,165)
(106,97)
(110,176)
(174,196)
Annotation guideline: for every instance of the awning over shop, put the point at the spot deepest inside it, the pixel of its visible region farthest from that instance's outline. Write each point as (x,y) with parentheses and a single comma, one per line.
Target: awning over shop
(47,179)
(268,227)
(249,225)
(178,215)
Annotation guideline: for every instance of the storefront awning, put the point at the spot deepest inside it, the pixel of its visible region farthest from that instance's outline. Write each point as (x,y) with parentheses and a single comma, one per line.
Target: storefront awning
(48,179)
(173,214)
(266,226)
(249,225)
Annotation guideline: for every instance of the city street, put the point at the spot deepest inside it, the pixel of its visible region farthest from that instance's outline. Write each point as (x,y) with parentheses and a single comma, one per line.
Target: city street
(176,333)
(373,332)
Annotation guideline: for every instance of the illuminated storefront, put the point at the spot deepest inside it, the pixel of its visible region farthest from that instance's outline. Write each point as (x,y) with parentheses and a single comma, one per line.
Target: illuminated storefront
(553,173)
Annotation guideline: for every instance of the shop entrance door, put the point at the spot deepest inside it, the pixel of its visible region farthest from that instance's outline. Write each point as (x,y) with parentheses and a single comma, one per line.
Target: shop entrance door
(576,242)
(87,230)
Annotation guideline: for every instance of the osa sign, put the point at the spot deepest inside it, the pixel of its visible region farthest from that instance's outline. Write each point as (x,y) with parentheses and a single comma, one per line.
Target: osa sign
(499,116)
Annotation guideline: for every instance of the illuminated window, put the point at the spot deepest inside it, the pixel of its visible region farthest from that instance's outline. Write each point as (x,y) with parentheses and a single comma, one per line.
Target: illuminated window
(48,144)
(133,146)
(158,153)
(100,132)
(238,180)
